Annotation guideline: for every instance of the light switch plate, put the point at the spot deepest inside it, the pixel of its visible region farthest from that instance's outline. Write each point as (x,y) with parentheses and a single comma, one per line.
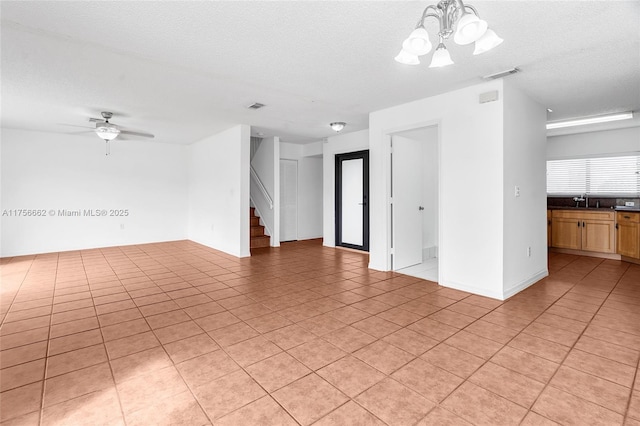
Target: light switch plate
(629,204)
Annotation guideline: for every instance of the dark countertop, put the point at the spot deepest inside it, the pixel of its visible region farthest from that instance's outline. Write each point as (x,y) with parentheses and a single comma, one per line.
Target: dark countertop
(601,209)
(628,209)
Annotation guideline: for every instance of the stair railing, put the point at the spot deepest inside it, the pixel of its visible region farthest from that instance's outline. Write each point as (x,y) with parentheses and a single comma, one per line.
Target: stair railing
(261,186)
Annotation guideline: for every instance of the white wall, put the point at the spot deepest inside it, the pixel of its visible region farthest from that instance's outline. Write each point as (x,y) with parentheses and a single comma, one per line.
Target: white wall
(606,142)
(475,167)
(52,171)
(266,163)
(470,247)
(339,144)
(218,190)
(309,187)
(525,217)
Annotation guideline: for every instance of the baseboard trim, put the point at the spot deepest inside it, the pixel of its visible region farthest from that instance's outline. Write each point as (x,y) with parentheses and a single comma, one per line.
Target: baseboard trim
(612,256)
(524,284)
(630,259)
(504,295)
(471,289)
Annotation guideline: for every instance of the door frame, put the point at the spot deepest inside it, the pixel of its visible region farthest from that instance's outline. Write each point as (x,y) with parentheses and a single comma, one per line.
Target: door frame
(364,155)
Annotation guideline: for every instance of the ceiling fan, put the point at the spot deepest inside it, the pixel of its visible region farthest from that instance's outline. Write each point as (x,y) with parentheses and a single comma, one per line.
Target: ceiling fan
(108,131)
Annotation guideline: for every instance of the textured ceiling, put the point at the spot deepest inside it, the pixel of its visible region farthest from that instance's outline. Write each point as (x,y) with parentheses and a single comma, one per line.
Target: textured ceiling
(185,70)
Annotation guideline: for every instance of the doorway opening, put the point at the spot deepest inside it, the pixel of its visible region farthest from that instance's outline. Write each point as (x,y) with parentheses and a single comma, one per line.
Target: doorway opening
(414,214)
(352,200)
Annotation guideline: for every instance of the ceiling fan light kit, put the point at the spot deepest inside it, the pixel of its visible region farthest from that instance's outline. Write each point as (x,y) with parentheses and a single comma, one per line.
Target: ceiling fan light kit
(107,131)
(455,18)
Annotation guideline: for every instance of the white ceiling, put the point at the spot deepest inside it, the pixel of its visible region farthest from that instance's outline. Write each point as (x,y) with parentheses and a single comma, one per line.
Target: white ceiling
(185,70)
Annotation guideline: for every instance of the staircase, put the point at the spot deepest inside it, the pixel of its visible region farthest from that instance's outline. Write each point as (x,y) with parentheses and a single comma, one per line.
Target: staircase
(258,239)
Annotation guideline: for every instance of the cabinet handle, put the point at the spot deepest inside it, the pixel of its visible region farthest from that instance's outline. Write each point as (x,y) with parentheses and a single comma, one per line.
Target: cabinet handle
(583,224)
(578,224)
(627,217)
(616,226)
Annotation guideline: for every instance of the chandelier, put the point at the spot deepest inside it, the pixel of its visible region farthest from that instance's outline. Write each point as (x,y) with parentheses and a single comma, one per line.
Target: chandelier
(454,18)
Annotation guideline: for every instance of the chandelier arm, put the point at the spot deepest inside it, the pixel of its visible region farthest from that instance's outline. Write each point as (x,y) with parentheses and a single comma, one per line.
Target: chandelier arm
(426,14)
(473,9)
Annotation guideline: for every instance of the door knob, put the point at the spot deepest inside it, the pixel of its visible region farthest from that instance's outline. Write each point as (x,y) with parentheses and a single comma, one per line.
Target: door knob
(420,208)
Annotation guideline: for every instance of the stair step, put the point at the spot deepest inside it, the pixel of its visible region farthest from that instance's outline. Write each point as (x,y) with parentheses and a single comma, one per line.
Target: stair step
(257,231)
(258,242)
(255,221)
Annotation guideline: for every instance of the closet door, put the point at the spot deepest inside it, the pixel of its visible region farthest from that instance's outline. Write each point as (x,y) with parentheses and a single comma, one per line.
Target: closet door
(288,200)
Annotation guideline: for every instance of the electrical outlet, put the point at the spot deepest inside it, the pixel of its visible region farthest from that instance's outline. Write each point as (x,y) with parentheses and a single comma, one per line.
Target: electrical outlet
(629,203)
(517,191)
(528,251)
(122,226)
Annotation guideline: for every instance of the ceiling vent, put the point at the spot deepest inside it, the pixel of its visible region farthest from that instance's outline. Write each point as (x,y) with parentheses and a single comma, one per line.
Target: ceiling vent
(501,74)
(255,105)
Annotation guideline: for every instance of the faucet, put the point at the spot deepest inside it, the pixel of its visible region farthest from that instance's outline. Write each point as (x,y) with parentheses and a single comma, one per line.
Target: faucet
(580,199)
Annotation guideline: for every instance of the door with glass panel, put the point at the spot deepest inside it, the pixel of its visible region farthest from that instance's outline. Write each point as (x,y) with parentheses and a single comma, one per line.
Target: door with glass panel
(352,200)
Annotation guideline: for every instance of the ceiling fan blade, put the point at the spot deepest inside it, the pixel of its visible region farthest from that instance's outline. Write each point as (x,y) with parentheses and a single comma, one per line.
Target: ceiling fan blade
(132,133)
(74,125)
(79,133)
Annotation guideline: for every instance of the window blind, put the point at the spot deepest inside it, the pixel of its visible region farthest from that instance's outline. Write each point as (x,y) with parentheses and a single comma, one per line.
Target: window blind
(617,176)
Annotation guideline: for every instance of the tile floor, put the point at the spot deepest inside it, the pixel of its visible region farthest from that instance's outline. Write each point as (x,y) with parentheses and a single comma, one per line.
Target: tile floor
(427,270)
(176,333)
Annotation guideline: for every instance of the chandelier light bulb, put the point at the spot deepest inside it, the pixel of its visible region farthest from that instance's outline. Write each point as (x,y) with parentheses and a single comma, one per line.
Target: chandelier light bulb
(470,29)
(441,57)
(487,42)
(418,42)
(407,58)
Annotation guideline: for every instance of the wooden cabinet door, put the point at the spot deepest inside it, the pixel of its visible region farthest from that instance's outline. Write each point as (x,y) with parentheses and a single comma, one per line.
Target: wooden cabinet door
(598,235)
(548,228)
(629,239)
(566,233)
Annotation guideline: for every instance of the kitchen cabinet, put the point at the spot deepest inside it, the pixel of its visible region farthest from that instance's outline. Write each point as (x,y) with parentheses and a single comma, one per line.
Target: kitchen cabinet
(628,230)
(548,228)
(583,230)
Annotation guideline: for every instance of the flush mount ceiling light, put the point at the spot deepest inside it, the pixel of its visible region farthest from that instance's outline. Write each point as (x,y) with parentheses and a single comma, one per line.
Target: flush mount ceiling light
(454,18)
(590,120)
(338,125)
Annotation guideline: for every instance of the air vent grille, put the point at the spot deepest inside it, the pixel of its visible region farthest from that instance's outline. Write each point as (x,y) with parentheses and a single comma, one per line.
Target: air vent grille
(255,105)
(502,74)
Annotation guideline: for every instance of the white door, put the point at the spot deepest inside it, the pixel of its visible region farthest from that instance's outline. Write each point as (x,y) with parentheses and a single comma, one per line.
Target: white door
(288,200)
(352,203)
(407,205)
